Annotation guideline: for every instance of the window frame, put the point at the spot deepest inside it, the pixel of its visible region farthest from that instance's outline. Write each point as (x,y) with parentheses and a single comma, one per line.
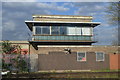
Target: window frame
(35,30)
(55,31)
(43,30)
(103,56)
(66,33)
(81,60)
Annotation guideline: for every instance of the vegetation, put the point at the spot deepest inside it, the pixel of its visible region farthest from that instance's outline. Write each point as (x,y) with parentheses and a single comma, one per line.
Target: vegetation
(12,59)
(113,13)
(114,19)
(76,75)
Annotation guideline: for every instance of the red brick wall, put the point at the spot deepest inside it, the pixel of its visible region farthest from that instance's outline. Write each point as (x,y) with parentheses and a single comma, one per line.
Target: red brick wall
(62,61)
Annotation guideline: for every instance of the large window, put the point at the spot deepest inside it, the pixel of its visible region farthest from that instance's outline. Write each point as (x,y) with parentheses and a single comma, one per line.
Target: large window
(86,31)
(38,30)
(63,30)
(55,30)
(81,56)
(79,31)
(99,56)
(42,30)
(71,31)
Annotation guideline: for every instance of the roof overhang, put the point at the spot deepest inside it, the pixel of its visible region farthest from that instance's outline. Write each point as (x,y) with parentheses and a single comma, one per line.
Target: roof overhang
(36,43)
(30,24)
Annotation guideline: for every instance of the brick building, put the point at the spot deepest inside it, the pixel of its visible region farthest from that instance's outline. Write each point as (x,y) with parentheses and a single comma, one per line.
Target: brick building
(65,43)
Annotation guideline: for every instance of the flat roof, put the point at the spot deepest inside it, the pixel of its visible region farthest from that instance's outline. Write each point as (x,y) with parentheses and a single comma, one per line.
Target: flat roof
(43,23)
(62,16)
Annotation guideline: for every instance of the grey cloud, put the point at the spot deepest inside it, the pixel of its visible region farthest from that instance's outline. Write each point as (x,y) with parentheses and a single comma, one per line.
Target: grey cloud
(33,5)
(89,8)
(105,34)
(68,4)
(52,6)
(104,37)
(10,25)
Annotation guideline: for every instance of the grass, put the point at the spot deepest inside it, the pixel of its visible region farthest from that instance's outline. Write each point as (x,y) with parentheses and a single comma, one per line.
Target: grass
(68,74)
(105,70)
(72,71)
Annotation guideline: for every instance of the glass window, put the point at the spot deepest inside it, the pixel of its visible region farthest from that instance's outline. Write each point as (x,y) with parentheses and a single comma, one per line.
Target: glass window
(42,30)
(99,56)
(74,30)
(38,30)
(71,31)
(63,30)
(81,56)
(45,30)
(55,30)
(86,31)
(78,30)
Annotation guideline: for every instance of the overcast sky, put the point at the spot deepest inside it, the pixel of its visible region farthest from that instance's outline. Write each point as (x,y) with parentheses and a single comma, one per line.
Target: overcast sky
(14,15)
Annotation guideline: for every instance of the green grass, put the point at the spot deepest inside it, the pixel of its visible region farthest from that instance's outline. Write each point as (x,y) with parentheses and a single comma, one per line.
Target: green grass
(70,74)
(70,71)
(105,70)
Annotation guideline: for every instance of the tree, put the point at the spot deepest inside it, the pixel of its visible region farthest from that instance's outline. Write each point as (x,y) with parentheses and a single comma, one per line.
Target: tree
(113,13)
(114,19)
(15,59)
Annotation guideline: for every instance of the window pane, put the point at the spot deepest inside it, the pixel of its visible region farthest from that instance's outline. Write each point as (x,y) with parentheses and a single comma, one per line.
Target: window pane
(78,31)
(71,31)
(100,56)
(86,31)
(45,30)
(63,30)
(38,30)
(42,30)
(55,30)
(81,57)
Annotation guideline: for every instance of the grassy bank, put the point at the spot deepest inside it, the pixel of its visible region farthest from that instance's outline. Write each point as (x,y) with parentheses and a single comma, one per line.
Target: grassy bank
(68,75)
